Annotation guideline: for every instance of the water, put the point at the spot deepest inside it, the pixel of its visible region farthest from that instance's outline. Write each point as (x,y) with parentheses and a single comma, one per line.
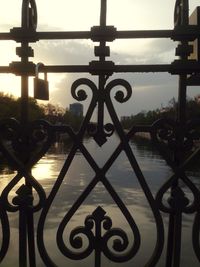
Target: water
(125,183)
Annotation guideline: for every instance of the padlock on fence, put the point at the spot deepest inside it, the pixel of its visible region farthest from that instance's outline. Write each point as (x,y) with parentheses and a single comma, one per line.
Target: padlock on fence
(41,86)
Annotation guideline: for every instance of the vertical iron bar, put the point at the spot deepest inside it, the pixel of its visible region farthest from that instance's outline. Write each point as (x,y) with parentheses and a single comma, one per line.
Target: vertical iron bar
(183,78)
(169,256)
(24,100)
(31,239)
(175,226)
(102,78)
(182,99)
(185,12)
(174,240)
(103,13)
(24,121)
(103,24)
(98,243)
(177,239)
(25,14)
(24,88)
(24,60)
(27,214)
(22,238)
(100,115)
(100,104)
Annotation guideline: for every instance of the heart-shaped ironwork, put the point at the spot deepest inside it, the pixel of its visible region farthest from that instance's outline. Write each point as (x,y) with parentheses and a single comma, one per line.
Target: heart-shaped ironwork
(23,147)
(100,177)
(178,146)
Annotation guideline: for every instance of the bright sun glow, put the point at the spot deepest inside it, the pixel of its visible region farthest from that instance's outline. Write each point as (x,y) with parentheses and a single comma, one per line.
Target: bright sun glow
(44,169)
(67,15)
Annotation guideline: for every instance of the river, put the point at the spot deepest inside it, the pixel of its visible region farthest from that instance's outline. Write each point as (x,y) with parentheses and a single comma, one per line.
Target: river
(125,183)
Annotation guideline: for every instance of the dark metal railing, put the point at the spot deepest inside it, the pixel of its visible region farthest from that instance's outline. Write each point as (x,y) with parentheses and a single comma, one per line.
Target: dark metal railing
(29,142)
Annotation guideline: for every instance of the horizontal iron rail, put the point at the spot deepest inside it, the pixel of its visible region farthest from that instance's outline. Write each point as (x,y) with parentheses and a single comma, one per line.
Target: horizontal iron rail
(178,67)
(190,33)
(116,68)
(85,69)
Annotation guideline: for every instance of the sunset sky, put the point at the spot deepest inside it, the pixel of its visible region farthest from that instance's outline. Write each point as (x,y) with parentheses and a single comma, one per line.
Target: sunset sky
(149,90)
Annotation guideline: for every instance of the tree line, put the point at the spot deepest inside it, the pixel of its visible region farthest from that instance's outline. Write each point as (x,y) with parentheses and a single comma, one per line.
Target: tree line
(10,107)
(170,112)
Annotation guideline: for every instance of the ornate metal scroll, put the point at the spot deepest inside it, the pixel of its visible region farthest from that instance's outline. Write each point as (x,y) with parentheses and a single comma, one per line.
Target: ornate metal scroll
(24,143)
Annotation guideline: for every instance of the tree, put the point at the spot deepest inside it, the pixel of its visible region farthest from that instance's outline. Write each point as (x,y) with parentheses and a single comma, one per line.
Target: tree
(10,108)
(53,113)
(169,112)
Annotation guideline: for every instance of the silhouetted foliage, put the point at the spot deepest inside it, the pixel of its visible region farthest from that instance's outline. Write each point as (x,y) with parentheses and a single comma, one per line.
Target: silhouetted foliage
(57,115)
(170,112)
(10,107)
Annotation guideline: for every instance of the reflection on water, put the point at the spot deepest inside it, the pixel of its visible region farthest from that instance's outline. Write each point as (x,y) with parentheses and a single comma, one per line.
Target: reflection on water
(125,183)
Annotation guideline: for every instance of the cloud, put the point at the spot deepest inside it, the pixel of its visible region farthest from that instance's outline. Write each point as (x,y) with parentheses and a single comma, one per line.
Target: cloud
(159,51)
(63,52)
(149,90)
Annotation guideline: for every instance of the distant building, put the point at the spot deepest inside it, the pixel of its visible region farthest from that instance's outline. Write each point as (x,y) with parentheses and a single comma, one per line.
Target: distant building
(76,109)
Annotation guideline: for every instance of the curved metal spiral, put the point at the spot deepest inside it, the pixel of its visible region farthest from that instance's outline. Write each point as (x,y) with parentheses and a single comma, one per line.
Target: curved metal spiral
(94,226)
(80,94)
(98,216)
(100,222)
(119,95)
(100,132)
(76,240)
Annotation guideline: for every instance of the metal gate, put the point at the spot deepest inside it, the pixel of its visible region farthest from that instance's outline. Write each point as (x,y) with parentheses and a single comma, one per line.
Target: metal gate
(29,142)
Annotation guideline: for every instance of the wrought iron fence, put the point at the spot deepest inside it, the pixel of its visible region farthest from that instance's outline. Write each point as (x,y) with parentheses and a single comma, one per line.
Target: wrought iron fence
(29,142)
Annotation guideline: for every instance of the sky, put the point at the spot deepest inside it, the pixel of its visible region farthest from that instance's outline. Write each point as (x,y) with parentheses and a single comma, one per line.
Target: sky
(150,91)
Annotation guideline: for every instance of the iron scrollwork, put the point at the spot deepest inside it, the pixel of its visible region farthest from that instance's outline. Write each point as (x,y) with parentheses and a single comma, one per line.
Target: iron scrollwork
(165,135)
(177,144)
(23,149)
(100,176)
(24,143)
(95,224)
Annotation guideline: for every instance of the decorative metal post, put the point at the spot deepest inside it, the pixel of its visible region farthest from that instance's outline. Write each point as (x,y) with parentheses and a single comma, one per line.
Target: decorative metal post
(25,198)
